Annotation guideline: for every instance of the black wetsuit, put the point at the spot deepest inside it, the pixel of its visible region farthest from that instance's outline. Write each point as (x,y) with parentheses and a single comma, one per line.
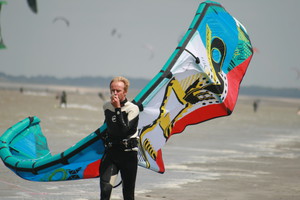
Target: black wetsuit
(121,149)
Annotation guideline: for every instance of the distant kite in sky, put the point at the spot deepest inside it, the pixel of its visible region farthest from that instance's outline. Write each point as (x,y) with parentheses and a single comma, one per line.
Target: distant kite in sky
(115,32)
(32,5)
(151,50)
(63,19)
(297,70)
(2,46)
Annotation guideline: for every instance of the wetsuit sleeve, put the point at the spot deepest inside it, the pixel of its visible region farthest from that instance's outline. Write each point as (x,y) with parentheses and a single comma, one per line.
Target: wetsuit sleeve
(129,124)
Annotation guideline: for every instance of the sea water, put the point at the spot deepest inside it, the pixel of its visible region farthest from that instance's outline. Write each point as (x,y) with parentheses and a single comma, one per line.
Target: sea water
(243,135)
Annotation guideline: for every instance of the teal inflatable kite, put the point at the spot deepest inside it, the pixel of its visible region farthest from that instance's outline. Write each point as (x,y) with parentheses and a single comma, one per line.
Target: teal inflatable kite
(200,81)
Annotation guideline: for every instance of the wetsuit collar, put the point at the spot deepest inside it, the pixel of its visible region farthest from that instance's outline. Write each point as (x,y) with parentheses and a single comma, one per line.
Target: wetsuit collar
(123,102)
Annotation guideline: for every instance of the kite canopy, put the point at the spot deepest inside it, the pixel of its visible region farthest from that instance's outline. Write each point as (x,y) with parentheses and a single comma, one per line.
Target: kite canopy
(200,81)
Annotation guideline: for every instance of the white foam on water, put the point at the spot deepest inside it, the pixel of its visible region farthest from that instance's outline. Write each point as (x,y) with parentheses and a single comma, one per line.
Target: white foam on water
(116,196)
(191,149)
(176,167)
(179,175)
(81,198)
(142,191)
(52,187)
(83,106)
(22,195)
(31,93)
(275,145)
(179,182)
(62,117)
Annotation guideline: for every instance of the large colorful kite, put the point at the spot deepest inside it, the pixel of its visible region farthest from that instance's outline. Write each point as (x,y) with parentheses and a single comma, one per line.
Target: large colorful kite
(200,81)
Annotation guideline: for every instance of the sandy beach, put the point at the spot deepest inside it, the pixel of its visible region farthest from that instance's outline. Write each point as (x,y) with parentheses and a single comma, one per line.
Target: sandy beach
(267,179)
(251,156)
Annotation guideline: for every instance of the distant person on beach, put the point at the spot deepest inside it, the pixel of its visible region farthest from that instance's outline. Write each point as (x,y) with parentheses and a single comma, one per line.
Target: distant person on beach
(101,95)
(63,99)
(255,105)
(121,141)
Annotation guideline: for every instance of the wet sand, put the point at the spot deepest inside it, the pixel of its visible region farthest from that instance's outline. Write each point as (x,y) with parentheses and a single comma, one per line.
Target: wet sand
(268,179)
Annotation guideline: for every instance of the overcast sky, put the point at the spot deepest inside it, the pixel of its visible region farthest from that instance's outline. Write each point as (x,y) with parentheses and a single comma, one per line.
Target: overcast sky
(135,38)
